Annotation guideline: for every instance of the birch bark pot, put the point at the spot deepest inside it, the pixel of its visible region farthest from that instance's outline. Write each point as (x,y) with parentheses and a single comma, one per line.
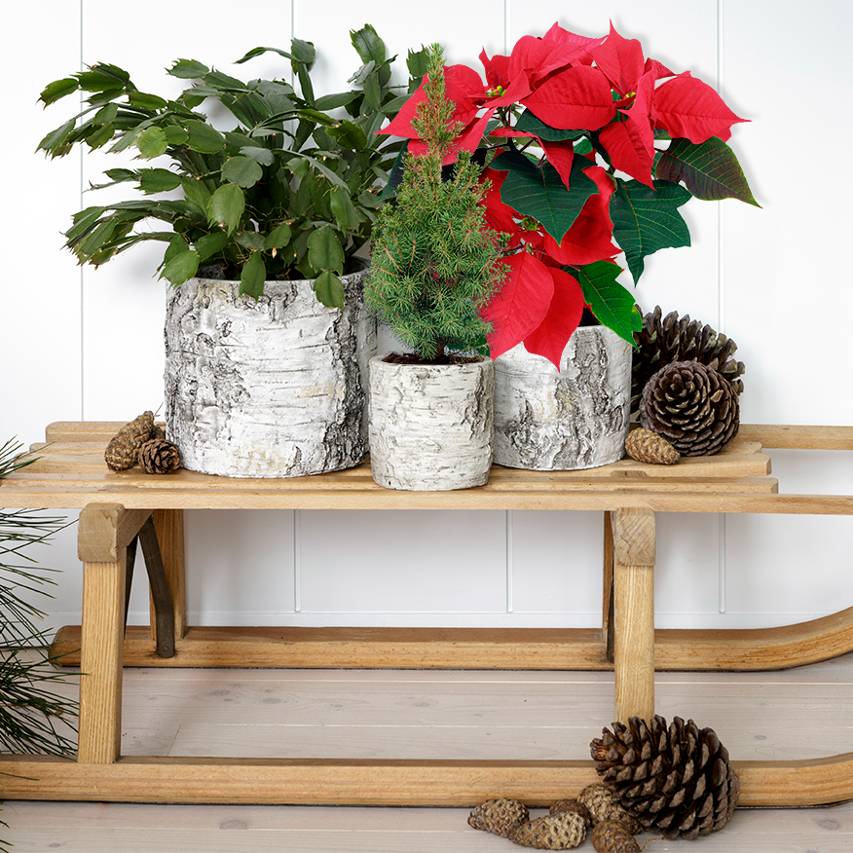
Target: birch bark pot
(577,418)
(267,388)
(431,424)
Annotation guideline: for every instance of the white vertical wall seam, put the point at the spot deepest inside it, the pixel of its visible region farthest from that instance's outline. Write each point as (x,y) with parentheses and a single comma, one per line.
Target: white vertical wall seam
(721,318)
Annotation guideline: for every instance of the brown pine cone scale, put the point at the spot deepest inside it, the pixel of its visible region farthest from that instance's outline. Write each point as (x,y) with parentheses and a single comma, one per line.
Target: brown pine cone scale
(677,778)
(692,406)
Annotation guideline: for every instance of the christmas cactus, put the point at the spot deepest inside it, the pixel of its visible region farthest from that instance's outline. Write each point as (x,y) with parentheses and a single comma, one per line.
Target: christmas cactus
(589,149)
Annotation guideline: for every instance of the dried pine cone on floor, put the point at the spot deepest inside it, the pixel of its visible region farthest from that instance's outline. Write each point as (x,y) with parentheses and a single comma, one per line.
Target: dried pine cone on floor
(692,406)
(663,340)
(158,456)
(643,445)
(123,448)
(610,836)
(563,831)
(602,806)
(500,816)
(677,779)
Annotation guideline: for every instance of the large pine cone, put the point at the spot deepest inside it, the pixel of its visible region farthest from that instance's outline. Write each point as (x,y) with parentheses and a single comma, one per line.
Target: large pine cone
(692,406)
(678,779)
(663,340)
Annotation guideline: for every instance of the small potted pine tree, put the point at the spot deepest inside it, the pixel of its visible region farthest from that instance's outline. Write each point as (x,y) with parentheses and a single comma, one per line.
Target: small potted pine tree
(436,264)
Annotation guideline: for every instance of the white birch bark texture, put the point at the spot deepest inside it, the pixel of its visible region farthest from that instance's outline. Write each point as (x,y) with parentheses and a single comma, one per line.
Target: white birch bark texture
(268,388)
(577,418)
(431,425)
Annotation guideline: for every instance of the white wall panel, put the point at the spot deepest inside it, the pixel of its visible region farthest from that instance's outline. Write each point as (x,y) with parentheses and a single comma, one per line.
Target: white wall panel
(774,279)
(40,307)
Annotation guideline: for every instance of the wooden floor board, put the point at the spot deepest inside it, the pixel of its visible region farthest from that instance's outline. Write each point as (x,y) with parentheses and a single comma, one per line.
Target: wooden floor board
(800,713)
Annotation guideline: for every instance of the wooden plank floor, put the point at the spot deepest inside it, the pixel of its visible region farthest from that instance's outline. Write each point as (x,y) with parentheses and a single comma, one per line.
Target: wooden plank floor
(797,713)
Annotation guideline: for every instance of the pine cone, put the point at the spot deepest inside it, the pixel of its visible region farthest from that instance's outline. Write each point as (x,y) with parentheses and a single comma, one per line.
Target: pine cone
(123,448)
(646,446)
(610,836)
(500,817)
(575,806)
(602,806)
(564,831)
(157,456)
(691,406)
(158,432)
(663,340)
(678,780)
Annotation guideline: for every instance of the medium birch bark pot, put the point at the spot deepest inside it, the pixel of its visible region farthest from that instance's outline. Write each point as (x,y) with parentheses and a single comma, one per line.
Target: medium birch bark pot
(267,388)
(431,424)
(577,418)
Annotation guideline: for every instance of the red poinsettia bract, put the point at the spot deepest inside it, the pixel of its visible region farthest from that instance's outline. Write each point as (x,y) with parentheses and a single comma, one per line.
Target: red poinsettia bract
(568,89)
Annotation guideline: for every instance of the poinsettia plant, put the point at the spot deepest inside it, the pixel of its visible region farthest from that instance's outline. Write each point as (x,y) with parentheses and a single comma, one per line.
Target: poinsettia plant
(590,148)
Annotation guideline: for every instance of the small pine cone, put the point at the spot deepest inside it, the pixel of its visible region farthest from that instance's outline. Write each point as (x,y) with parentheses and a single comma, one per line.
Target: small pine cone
(575,806)
(610,836)
(643,445)
(691,406)
(663,340)
(159,457)
(677,778)
(123,448)
(564,831)
(500,817)
(602,806)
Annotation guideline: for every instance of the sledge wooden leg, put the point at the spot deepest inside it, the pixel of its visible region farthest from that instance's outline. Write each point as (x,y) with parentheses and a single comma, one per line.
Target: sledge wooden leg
(104,533)
(607,591)
(169,524)
(634,614)
(161,595)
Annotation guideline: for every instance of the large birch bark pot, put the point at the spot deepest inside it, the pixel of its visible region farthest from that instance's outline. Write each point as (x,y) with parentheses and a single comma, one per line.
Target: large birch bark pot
(576,418)
(267,388)
(431,425)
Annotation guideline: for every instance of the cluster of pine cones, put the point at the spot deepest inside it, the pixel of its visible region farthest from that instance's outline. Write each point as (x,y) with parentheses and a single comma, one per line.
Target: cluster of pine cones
(144,443)
(685,388)
(676,779)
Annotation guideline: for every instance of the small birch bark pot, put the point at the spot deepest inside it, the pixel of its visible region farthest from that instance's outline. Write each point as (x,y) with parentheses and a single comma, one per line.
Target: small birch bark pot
(267,388)
(577,418)
(430,425)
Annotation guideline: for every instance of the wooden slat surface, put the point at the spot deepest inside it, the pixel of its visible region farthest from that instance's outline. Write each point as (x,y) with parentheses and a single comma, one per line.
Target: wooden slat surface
(70,473)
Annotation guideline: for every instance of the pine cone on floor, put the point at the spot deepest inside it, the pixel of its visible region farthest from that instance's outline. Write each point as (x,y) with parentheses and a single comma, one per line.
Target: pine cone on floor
(610,836)
(643,445)
(564,831)
(675,779)
(500,817)
(574,806)
(123,448)
(692,406)
(602,806)
(157,456)
(663,340)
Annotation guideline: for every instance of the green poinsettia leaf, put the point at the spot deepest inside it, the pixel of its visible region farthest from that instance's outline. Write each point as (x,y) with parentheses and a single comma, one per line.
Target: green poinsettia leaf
(210,245)
(58,89)
(188,69)
(203,138)
(262,155)
(646,220)
(225,207)
(253,276)
(158,180)
(530,124)
(278,237)
(709,170)
(612,303)
(243,171)
(539,191)
(329,289)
